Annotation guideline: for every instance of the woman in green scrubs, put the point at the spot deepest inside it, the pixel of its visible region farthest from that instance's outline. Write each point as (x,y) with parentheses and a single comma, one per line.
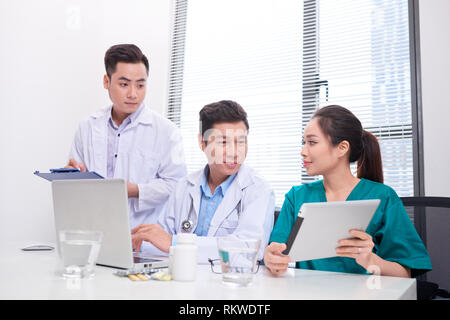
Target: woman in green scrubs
(390,245)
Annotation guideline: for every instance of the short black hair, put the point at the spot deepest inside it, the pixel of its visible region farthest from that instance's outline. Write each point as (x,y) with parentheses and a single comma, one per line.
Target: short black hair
(129,53)
(221,111)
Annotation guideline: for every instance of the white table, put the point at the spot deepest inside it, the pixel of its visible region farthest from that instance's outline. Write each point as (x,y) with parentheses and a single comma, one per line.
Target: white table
(32,275)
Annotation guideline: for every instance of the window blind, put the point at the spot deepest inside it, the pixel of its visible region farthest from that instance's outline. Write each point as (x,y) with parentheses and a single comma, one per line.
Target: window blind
(176,70)
(249,52)
(281,60)
(357,55)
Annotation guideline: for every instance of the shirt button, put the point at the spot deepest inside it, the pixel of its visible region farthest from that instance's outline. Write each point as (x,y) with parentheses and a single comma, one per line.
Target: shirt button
(118,135)
(115,156)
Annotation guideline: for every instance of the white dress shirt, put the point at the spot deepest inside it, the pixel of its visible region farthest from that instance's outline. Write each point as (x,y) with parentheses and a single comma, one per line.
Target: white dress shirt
(149,154)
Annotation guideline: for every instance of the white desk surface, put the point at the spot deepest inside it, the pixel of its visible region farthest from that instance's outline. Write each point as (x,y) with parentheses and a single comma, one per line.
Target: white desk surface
(32,275)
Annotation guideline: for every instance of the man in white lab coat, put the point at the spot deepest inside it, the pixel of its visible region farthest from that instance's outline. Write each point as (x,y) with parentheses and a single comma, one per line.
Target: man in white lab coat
(127,140)
(225,198)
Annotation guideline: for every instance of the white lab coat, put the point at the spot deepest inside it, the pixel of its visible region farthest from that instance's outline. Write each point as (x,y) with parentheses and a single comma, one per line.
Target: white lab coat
(246,211)
(150,155)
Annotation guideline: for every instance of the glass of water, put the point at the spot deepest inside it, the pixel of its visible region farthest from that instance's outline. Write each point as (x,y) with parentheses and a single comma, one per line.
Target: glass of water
(238,260)
(78,251)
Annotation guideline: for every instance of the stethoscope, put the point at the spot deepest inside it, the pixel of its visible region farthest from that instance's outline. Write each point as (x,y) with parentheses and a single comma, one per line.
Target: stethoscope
(187,224)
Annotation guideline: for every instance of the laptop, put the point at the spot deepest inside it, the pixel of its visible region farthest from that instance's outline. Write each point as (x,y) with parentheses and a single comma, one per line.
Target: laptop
(101,204)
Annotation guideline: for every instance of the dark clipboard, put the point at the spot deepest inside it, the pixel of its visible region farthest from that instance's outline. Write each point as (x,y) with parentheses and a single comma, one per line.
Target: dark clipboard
(62,174)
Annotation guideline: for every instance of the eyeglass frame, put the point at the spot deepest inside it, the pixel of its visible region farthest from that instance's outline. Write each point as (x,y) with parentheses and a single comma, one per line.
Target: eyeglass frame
(211,262)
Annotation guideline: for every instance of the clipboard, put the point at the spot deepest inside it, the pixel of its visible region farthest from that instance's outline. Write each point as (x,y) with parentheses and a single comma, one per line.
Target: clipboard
(320,225)
(68,174)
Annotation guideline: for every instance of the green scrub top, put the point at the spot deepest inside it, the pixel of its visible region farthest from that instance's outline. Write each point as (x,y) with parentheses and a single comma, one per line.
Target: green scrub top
(394,236)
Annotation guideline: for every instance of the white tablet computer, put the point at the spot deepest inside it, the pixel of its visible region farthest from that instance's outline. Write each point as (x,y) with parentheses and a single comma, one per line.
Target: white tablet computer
(320,225)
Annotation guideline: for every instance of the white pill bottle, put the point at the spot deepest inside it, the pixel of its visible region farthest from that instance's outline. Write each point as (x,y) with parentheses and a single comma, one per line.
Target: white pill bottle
(184,266)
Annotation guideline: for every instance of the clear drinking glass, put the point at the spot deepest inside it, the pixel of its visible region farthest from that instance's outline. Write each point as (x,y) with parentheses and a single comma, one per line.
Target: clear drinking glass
(79,251)
(238,260)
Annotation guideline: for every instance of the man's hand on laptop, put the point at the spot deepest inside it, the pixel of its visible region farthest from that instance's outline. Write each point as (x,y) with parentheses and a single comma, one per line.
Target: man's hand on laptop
(152,233)
(76,165)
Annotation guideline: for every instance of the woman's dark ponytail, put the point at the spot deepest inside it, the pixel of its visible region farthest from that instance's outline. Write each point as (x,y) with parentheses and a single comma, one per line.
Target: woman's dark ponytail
(369,164)
(341,124)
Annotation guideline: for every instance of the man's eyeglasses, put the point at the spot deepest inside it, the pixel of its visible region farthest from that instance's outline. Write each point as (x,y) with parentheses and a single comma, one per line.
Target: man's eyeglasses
(217,268)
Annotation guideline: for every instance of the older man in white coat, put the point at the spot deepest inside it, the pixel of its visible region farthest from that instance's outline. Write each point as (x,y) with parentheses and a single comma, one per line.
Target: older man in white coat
(127,140)
(224,198)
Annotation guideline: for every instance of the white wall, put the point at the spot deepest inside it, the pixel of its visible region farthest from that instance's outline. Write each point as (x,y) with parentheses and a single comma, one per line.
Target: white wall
(435,64)
(51,70)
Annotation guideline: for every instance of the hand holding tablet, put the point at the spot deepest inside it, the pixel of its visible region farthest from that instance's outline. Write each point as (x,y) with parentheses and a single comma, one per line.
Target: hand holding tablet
(321,225)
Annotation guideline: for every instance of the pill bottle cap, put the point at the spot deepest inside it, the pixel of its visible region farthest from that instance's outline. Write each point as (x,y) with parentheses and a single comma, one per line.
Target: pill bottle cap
(187,238)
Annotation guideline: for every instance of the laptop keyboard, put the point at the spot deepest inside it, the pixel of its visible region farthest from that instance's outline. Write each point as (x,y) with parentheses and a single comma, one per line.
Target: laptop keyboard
(140,257)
